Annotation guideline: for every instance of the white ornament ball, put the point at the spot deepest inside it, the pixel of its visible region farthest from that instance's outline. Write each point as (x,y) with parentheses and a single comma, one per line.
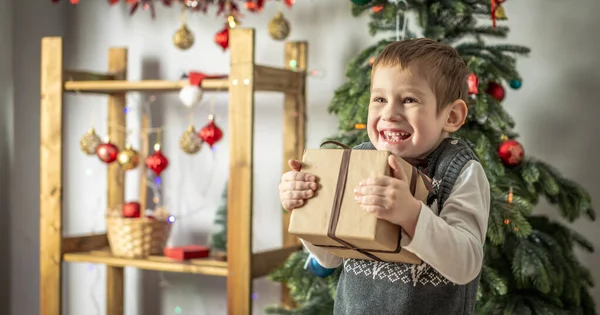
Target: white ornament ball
(190,95)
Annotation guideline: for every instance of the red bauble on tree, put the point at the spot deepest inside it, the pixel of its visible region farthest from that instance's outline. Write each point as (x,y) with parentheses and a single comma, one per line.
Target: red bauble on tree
(511,152)
(211,132)
(473,83)
(157,162)
(222,37)
(496,91)
(107,152)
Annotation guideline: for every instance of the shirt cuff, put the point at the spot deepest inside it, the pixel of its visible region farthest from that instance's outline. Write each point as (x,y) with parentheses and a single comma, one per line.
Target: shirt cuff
(419,239)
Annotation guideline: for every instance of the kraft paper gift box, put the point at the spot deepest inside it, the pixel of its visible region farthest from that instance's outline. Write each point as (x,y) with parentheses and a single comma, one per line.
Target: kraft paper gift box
(333,220)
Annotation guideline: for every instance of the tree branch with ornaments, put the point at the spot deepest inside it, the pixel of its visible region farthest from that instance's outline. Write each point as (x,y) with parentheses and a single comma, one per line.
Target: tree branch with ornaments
(230,10)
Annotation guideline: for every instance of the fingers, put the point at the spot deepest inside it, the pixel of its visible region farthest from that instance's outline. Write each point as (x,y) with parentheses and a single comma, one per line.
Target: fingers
(295,165)
(296,194)
(297,176)
(296,187)
(372,190)
(290,204)
(373,200)
(397,170)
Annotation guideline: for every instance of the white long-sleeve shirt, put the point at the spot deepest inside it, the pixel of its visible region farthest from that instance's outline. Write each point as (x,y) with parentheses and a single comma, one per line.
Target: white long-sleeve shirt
(451,243)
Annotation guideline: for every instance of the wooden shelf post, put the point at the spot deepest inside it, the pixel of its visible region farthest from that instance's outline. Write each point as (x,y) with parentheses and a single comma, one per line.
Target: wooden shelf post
(294,130)
(240,192)
(117,64)
(245,78)
(51,176)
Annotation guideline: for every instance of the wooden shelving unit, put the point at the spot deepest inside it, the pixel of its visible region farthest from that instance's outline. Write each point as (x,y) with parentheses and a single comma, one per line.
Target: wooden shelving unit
(240,265)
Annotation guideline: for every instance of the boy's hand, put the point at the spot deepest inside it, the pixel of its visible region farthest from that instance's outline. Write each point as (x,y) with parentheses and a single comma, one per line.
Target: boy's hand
(295,186)
(389,198)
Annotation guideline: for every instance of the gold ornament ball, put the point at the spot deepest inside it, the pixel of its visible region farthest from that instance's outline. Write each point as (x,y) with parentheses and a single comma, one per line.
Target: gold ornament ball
(89,142)
(190,142)
(183,38)
(128,158)
(279,27)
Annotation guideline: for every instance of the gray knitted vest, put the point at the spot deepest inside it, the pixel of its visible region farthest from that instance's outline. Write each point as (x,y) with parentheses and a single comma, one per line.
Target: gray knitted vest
(369,287)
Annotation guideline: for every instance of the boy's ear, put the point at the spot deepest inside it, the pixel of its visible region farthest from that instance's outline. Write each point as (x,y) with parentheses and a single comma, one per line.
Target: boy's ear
(456,116)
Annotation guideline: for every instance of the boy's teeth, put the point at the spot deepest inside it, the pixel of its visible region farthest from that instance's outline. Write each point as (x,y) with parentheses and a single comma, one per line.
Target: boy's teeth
(396,135)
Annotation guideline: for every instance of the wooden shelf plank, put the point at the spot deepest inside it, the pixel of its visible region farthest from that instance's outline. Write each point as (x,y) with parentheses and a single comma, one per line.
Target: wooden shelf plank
(208,266)
(115,86)
(77,75)
(278,80)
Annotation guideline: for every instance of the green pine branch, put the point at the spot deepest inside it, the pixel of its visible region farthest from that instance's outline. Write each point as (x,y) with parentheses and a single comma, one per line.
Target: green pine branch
(530,266)
(219,239)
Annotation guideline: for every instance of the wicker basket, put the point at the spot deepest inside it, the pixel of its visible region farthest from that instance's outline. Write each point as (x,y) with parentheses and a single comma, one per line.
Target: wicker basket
(137,237)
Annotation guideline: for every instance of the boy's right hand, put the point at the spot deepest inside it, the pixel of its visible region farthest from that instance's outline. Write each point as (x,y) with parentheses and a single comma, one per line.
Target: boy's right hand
(296,187)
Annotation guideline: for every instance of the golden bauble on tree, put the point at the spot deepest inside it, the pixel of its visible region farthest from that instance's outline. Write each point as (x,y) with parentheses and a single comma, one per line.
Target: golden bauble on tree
(90,142)
(183,38)
(128,158)
(190,142)
(279,27)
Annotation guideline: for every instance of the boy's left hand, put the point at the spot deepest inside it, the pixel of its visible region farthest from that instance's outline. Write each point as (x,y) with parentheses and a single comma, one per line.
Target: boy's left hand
(389,198)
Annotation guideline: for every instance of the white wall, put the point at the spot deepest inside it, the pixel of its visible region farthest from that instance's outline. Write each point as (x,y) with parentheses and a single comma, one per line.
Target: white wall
(560,79)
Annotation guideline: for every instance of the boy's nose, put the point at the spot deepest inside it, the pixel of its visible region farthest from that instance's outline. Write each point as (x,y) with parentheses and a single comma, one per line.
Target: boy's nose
(390,113)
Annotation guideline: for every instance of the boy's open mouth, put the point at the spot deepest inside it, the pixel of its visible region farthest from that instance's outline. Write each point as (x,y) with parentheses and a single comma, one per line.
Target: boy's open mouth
(394,136)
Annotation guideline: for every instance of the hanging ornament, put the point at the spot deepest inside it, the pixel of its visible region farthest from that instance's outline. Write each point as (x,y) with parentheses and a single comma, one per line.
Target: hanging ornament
(473,83)
(361,2)
(290,3)
(316,269)
(90,142)
(190,142)
(157,162)
(511,152)
(107,152)
(232,21)
(128,158)
(254,5)
(515,84)
(211,132)
(190,95)
(222,37)
(496,91)
(377,8)
(279,27)
(497,11)
(500,14)
(183,38)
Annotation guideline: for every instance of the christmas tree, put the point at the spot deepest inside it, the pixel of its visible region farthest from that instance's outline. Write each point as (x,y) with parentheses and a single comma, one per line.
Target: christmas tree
(219,239)
(530,266)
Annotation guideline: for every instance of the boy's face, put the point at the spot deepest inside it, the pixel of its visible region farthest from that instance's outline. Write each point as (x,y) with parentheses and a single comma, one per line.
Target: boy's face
(403,115)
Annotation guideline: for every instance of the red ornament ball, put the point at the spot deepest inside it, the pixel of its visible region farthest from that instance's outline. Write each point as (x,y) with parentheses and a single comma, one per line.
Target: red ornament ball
(157,162)
(511,152)
(107,152)
(473,83)
(132,210)
(222,37)
(496,91)
(211,132)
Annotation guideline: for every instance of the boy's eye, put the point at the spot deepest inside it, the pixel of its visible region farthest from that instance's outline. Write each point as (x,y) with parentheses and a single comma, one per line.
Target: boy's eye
(378,99)
(409,100)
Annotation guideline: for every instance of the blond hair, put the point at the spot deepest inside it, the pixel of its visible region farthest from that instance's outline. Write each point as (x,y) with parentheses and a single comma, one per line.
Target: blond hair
(441,65)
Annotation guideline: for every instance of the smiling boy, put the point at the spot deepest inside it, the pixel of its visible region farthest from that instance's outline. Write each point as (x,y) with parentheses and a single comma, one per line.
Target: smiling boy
(418,98)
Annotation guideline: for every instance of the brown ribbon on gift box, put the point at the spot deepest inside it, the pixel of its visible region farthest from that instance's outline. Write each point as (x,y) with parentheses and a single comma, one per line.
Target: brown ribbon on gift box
(339,193)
